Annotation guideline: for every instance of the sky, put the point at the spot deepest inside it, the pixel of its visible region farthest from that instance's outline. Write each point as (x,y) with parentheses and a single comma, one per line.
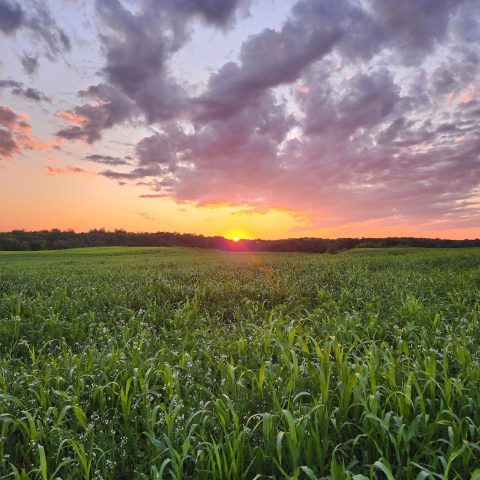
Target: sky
(256,119)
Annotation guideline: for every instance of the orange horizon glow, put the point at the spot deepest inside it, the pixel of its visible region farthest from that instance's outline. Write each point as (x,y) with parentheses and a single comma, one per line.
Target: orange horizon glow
(70,198)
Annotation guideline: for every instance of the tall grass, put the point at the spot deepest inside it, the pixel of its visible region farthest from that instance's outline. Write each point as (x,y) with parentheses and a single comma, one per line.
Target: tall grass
(176,363)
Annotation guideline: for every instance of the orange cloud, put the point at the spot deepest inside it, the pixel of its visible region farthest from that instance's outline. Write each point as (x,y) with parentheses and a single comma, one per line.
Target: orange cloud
(31,143)
(16,134)
(69,170)
(72,117)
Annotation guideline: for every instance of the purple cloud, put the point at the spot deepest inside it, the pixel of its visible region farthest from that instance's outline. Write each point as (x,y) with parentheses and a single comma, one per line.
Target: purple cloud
(109,107)
(19,90)
(380,119)
(106,159)
(11,16)
(36,21)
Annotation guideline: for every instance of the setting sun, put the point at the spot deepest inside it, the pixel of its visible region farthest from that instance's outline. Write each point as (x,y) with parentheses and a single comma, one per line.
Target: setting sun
(236,233)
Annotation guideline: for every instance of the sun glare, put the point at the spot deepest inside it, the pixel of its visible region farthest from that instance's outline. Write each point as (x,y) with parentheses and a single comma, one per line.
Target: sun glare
(236,234)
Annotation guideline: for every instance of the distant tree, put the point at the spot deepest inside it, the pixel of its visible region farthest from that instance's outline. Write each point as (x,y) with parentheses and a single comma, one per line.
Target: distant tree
(57,239)
(61,245)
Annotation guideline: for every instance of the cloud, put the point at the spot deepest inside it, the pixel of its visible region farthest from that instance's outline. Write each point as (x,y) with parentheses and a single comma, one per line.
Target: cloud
(28,93)
(31,94)
(365,151)
(217,12)
(348,112)
(106,159)
(137,48)
(273,58)
(364,101)
(36,20)
(16,134)
(197,166)
(108,108)
(146,216)
(317,29)
(11,16)
(30,63)
(69,170)
(9,84)
(414,27)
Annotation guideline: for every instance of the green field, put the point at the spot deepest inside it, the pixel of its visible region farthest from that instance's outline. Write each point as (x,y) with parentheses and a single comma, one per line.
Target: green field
(125,363)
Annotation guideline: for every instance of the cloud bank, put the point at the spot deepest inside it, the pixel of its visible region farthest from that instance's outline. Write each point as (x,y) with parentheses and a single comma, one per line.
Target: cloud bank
(348,112)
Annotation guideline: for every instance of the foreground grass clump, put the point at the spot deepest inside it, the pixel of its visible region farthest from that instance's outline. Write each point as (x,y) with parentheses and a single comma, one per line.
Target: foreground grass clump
(174,363)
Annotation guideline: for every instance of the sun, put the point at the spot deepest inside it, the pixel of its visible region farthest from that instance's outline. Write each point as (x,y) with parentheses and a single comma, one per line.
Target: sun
(235,235)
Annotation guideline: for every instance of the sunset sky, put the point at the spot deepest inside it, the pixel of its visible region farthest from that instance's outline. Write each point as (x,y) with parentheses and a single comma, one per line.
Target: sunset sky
(262,118)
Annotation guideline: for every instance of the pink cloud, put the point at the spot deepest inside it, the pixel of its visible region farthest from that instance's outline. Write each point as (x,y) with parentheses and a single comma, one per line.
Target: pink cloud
(16,134)
(68,170)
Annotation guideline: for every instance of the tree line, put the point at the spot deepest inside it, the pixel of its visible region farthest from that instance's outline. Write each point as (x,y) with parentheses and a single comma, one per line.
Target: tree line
(58,239)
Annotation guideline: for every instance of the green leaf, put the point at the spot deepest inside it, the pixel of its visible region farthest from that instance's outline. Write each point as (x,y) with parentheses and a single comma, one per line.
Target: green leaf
(43,462)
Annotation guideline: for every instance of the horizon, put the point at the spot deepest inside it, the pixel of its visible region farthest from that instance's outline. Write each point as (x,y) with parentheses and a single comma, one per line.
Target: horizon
(254,119)
(233,238)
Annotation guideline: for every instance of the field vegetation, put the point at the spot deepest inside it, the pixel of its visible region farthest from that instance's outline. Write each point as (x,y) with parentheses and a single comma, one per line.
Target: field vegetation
(150,363)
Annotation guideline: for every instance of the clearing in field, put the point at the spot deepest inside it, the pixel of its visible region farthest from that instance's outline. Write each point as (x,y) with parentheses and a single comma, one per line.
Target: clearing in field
(154,363)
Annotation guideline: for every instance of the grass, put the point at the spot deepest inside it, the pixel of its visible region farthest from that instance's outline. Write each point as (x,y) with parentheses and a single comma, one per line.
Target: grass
(150,363)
